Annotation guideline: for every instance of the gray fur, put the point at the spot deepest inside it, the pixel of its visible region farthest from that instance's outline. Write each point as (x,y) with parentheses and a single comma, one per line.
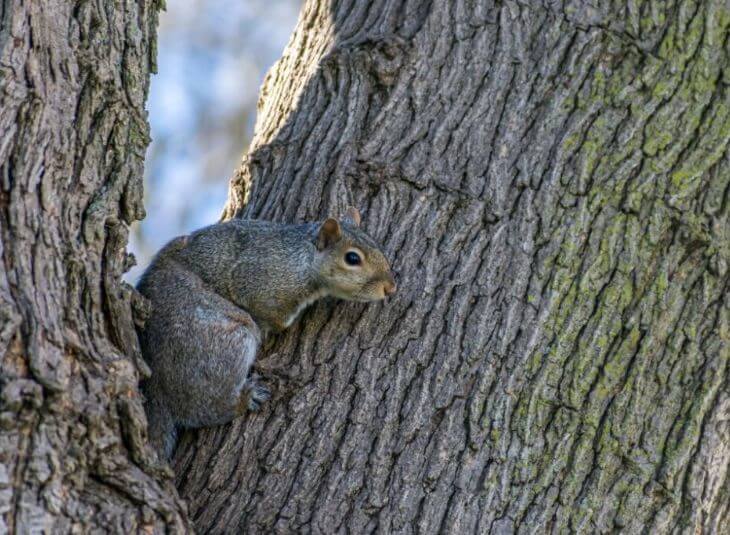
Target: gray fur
(215,291)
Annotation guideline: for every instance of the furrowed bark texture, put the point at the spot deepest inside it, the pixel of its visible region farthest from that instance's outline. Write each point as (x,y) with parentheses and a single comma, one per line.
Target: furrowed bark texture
(551,181)
(73,133)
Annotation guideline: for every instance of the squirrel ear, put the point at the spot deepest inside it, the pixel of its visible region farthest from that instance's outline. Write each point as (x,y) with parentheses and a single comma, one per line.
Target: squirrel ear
(329,234)
(352,217)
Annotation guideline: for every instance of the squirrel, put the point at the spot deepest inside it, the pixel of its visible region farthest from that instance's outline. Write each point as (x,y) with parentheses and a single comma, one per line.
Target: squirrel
(217,292)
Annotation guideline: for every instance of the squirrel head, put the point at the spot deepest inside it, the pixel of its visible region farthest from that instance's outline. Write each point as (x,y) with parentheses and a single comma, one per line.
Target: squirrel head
(352,266)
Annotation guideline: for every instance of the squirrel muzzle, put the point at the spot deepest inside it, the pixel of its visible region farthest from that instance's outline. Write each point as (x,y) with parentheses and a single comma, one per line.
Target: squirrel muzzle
(389,286)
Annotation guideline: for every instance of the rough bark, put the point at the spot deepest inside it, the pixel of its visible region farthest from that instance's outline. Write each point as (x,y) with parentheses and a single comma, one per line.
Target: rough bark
(551,180)
(73,134)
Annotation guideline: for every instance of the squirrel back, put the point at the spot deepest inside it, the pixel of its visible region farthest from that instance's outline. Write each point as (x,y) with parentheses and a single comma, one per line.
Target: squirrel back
(275,270)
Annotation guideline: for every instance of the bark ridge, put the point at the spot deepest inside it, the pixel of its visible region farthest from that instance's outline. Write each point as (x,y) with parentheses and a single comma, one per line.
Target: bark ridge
(74,457)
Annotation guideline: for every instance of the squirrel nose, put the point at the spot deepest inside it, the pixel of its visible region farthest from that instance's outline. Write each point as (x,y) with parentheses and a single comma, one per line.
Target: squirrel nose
(390,286)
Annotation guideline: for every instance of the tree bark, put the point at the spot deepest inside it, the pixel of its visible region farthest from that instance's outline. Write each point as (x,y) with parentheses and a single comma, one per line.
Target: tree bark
(73,133)
(551,180)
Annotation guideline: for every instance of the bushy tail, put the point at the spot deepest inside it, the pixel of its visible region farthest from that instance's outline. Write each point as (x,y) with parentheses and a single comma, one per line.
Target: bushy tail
(162,429)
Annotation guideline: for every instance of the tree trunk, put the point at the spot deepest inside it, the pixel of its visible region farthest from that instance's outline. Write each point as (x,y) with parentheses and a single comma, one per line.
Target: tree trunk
(73,133)
(551,181)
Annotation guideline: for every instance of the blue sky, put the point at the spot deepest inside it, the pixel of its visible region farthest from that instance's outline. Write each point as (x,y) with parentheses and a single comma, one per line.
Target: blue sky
(212,58)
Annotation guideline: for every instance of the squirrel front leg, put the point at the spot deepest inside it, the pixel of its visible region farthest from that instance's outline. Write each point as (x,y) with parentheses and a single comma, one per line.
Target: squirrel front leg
(254,394)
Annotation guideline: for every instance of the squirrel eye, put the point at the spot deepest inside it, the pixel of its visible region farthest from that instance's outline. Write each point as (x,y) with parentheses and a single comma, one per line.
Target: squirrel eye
(352,258)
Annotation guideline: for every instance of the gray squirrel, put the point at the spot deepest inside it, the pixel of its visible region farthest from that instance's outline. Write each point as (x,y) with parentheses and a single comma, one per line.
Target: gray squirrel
(216,292)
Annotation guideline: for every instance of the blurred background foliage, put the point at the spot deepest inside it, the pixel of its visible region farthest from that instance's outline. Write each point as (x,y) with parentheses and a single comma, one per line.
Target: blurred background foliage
(212,58)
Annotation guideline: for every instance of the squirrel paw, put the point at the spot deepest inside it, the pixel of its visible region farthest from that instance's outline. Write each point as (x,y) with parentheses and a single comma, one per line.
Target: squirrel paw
(258,393)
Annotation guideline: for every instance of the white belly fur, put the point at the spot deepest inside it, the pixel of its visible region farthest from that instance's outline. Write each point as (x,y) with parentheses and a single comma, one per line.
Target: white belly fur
(304,304)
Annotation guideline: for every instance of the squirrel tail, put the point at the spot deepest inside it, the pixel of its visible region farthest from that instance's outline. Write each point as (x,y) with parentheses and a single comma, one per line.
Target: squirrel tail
(161,426)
